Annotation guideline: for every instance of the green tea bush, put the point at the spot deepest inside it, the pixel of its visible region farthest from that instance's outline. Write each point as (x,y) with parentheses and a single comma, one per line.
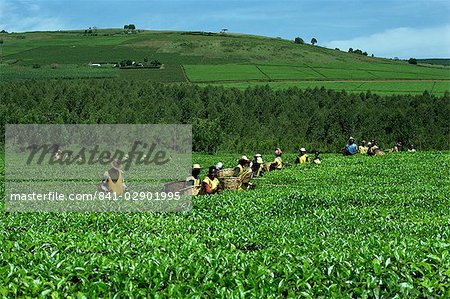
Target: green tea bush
(364,227)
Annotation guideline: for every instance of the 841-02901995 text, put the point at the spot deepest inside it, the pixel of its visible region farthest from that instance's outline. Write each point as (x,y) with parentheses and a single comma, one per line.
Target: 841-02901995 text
(101,196)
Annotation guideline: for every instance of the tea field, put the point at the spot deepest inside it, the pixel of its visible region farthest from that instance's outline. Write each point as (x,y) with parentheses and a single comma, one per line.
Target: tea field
(364,227)
(231,60)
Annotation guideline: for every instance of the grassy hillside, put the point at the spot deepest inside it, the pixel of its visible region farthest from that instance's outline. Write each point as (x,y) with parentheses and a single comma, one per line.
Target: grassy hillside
(201,58)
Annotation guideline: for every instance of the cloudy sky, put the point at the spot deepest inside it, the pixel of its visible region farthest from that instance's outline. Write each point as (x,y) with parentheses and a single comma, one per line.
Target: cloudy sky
(386,28)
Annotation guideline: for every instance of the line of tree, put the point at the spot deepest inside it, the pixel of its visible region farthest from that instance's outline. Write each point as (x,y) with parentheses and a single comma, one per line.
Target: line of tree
(91,31)
(232,120)
(412,61)
(357,51)
(129,27)
(299,40)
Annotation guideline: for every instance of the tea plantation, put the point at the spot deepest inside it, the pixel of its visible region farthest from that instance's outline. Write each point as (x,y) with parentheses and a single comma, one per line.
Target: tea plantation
(362,227)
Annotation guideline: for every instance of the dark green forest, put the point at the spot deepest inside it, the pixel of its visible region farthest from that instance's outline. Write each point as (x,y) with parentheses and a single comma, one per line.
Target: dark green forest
(232,120)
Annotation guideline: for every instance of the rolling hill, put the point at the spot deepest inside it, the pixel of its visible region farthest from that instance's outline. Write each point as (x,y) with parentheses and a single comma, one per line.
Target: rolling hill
(234,60)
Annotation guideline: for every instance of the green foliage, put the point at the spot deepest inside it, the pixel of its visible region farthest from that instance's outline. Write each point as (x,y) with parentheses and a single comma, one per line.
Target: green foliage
(357,227)
(207,135)
(412,61)
(299,40)
(438,88)
(252,119)
(436,61)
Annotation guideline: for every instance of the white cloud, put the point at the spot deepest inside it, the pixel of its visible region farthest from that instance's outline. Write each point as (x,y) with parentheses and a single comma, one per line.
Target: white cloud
(402,42)
(17,16)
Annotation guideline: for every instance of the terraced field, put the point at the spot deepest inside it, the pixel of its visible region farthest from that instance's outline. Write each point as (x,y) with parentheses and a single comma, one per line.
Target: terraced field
(353,226)
(236,59)
(204,73)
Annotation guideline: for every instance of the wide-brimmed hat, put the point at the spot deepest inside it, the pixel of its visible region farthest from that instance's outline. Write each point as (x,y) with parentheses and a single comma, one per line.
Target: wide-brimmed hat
(351,138)
(257,155)
(116,164)
(259,160)
(303,149)
(196,166)
(244,158)
(219,165)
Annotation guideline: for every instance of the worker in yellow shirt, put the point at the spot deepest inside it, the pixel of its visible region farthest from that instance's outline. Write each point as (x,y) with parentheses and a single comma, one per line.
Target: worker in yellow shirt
(243,165)
(302,157)
(113,179)
(210,184)
(194,180)
(258,166)
(374,149)
(277,163)
(362,148)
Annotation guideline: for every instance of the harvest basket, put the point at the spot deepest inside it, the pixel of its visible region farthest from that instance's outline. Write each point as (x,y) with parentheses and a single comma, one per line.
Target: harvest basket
(226,172)
(174,186)
(231,183)
(188,191)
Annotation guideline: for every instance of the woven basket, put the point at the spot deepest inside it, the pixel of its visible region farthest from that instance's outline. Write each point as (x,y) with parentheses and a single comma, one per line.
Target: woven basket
(231,183)
(188,191)
(226,172)
(174,186)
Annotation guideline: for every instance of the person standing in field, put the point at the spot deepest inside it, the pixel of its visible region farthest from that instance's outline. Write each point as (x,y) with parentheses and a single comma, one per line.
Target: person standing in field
(243,165)
(277,164)
(302,157)
(373,149)
(114,179)
(316,159)
(362,149)
(350,148)
(258,166)
(411,148)
(194,180)
(397,147)
(210,184)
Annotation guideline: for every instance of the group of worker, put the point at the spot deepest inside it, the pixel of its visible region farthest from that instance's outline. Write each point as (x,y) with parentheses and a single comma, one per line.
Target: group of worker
(245,170)
(372,148)
(114,181)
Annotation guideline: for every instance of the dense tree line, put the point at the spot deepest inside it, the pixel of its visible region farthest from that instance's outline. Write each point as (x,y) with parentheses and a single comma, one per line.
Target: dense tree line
(232,120)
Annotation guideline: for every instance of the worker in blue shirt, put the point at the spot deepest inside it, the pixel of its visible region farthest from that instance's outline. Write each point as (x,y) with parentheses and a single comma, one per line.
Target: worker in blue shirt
(350,148)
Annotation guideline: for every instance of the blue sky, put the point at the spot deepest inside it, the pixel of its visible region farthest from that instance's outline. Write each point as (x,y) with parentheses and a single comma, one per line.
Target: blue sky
(387,28)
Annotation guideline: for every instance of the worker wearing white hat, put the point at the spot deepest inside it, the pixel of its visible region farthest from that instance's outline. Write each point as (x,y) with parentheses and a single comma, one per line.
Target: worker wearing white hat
(277,163)
(350,148)
(257,166)
(243,164)
(302,157)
